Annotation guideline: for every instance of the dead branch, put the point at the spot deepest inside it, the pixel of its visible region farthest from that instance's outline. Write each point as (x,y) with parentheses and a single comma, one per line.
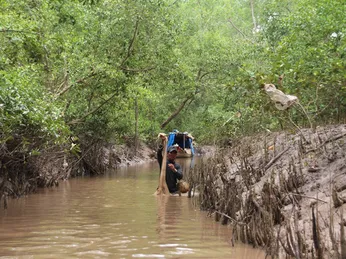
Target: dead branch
(274,159)
(289,241)
(327,141)
(305,196)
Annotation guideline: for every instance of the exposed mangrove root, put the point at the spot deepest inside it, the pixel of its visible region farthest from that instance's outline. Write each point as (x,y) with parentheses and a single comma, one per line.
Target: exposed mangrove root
(264,191)
(22,174)
(20,177)
(316,233)
(342,236)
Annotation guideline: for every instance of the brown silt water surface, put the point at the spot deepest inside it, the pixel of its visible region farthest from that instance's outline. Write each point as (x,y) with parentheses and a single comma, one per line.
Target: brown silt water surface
(114,216)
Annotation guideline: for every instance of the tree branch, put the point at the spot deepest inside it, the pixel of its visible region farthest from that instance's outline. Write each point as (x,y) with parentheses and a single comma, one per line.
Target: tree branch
(129,49)
(253,16)
(199,76)
(176,112)
(17,31)
(137,70)
(235,27)
(93,73)
(80,120)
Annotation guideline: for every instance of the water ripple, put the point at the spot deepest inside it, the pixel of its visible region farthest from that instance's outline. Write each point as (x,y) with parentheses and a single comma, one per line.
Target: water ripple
(113,217)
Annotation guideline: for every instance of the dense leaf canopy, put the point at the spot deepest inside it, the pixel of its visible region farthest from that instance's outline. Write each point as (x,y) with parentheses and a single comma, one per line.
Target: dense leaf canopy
(110,69)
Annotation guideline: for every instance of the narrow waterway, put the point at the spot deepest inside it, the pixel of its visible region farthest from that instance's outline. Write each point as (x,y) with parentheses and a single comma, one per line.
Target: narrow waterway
(113,216)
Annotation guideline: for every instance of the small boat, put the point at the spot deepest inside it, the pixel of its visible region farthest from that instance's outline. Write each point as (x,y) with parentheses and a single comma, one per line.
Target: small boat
(185,142)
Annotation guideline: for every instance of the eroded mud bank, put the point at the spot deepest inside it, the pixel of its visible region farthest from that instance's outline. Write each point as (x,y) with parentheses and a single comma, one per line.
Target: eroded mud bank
(282,191)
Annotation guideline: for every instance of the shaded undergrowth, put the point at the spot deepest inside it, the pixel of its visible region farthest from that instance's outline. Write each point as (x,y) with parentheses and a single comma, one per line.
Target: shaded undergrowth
(23,171)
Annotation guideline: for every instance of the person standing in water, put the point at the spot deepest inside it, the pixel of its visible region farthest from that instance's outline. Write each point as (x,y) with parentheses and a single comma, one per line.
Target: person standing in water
(174,171)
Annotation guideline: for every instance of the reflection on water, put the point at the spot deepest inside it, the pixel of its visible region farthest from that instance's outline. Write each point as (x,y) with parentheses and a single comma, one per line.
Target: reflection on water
(113,216)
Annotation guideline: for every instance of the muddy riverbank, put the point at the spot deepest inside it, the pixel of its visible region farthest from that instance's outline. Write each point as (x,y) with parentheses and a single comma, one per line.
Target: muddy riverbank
(283,191)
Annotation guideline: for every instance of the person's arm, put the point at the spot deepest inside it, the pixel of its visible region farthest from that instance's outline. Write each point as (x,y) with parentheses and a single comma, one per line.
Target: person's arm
(159,156)
(179,171)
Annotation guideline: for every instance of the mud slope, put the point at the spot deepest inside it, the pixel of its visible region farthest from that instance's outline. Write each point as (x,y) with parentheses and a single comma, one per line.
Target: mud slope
(283,191)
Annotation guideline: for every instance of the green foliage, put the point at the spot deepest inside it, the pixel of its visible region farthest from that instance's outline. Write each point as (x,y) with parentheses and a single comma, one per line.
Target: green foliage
(27,112)
(309,49)
(91,64)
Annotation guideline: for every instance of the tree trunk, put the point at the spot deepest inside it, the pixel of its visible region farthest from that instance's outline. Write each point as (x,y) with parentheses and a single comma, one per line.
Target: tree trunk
(176,112)
(136,126)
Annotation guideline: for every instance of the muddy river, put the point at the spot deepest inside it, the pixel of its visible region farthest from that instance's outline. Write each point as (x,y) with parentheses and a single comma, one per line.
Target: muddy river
(113,216)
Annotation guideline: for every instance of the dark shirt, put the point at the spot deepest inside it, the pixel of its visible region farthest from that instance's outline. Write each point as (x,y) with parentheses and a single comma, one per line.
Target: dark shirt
(171,176)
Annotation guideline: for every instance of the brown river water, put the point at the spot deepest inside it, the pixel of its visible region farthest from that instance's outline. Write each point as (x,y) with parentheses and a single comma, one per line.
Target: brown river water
(114,216)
